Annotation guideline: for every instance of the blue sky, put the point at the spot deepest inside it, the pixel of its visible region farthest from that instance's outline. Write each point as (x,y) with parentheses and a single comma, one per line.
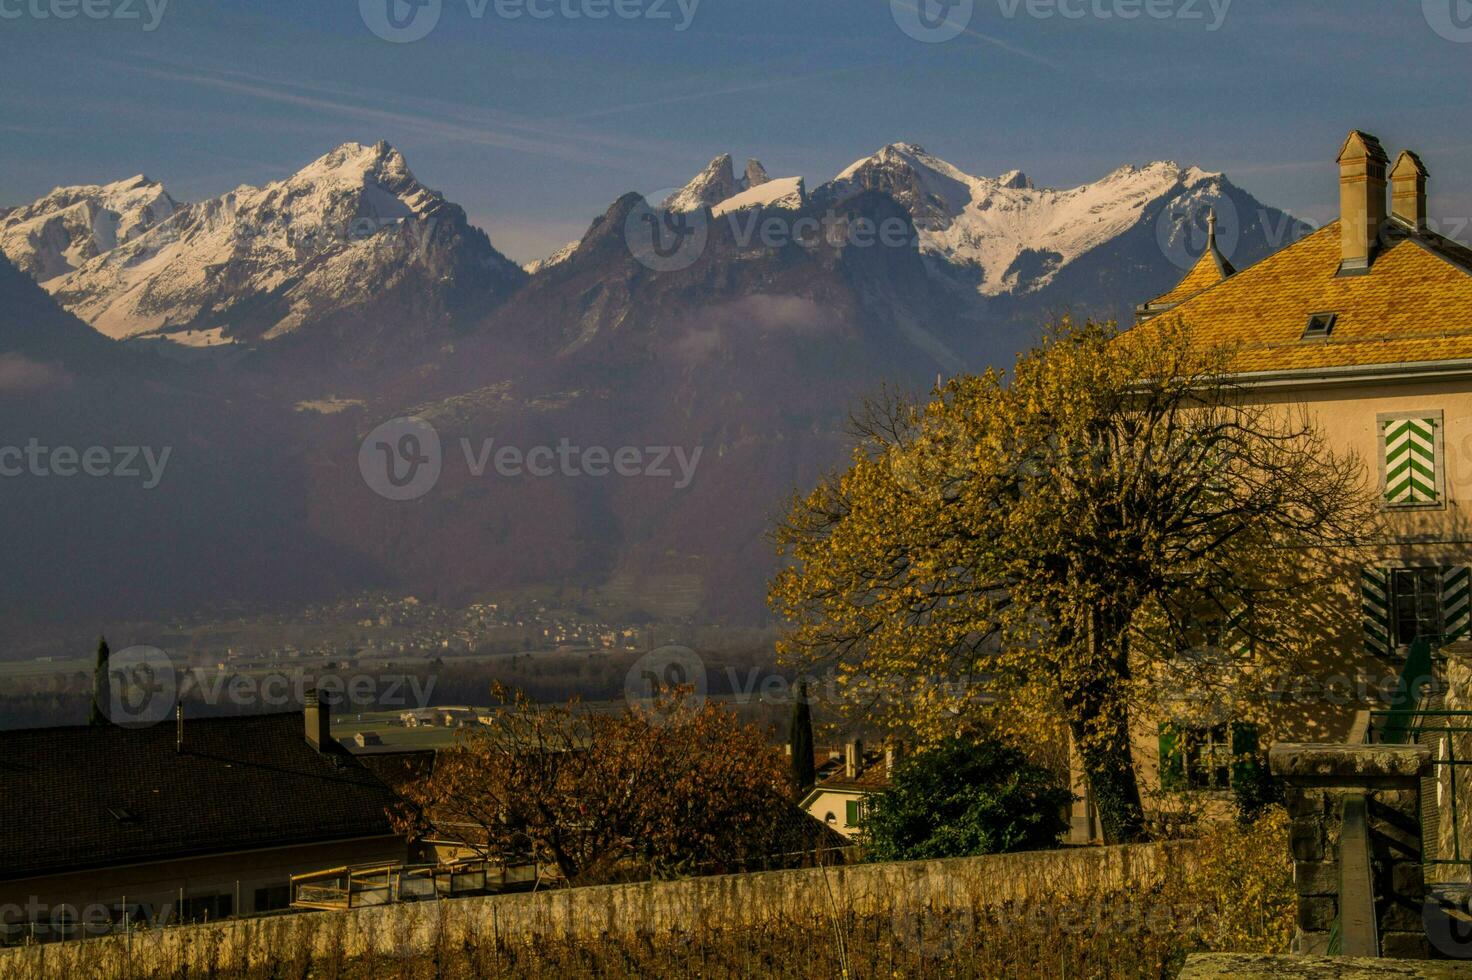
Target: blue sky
(536,124)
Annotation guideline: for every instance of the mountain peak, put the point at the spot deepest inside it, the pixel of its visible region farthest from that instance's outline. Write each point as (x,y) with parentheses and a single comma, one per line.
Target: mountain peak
(716,183)
(378,159)
(1016,180)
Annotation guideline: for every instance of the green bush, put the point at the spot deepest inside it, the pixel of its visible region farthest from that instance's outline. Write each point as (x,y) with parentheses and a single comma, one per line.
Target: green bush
(964,797)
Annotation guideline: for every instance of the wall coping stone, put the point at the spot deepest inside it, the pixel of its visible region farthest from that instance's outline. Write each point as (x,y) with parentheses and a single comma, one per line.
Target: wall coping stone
(1250,966)
(1348,765)
(1461,649)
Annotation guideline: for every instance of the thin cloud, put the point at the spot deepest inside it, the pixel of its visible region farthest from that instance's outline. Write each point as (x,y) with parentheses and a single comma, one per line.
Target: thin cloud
(714,93)
(995,42)
(479,134)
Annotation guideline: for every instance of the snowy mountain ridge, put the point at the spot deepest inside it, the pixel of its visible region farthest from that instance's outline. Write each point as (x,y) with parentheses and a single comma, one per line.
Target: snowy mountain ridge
(56,234)
(993,224)
(327,237)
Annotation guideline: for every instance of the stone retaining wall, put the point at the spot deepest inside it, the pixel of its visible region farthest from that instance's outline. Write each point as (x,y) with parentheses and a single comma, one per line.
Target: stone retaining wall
(902,889)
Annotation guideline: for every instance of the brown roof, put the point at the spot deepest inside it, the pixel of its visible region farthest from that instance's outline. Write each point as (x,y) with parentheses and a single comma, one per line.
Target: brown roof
(1413,305)
(87,797)
(873,775)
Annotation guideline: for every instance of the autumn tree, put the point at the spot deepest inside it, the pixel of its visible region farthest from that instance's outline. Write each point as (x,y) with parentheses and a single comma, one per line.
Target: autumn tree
(1114,521)
(660,787)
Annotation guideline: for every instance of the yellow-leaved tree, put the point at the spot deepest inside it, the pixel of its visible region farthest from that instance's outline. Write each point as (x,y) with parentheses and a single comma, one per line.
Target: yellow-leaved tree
(1115,521)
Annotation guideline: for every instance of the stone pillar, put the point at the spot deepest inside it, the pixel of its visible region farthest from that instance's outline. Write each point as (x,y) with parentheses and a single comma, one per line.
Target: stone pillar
(1381,784)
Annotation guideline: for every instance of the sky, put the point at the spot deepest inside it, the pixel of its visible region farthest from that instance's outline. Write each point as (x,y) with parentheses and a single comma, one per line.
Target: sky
(536,114)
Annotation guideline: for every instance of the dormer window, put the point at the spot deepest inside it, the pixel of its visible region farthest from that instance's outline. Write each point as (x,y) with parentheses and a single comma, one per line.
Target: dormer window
(1319,326)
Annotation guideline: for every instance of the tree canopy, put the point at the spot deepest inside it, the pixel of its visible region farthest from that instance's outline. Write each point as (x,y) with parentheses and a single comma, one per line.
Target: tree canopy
(1115,522)
(658,788)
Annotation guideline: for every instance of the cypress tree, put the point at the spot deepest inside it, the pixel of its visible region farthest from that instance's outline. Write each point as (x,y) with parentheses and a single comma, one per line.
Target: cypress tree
(99,683)
(800,739)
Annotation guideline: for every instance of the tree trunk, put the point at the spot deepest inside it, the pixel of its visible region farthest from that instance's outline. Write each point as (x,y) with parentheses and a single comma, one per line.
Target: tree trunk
(1099,718)
(1110,769)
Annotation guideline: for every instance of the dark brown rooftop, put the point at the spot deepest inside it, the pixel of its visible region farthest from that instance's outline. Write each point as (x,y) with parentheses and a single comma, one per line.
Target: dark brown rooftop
(87,797)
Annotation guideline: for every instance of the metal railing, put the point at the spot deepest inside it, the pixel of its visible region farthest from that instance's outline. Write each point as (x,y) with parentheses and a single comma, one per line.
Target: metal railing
(359,886)
(1418,716)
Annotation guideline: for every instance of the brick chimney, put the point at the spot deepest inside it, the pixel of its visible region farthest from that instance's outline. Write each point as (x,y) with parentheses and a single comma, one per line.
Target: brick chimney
(1362,163)
(1408,190)
(853,758)
(319,722)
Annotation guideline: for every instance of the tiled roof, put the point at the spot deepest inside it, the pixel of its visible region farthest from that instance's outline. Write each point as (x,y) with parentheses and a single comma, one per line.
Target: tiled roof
(1413,305)
(85,797)
(873,775)
(1209,270)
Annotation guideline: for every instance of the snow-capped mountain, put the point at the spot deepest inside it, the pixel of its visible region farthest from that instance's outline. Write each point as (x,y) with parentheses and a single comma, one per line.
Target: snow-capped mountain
(716,183)
(1003,233)
(58,233)
(350,233)
(784,192)
(753,351)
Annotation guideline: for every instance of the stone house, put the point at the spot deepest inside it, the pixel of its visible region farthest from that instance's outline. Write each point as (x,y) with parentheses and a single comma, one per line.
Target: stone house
(1366,325)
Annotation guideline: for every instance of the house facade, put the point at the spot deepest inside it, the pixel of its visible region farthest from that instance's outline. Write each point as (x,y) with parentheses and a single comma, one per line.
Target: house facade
(845,783)
(1366,325)
(205,819)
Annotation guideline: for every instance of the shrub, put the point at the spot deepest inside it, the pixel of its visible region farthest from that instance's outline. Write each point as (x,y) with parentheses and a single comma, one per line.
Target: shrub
(965,797)
(1243,885)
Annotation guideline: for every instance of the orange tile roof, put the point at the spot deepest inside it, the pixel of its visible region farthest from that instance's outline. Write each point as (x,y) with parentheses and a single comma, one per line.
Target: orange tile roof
(1414,305)
(1208,271)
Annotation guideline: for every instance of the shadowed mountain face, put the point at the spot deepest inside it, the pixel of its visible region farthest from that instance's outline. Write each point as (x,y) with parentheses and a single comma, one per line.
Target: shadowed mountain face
(634,415)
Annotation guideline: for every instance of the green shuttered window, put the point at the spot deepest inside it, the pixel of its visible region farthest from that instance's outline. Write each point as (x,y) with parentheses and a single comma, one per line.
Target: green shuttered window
(1397,605)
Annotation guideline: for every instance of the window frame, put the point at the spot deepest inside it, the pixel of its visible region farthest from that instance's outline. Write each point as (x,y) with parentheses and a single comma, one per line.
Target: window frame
(1392,601)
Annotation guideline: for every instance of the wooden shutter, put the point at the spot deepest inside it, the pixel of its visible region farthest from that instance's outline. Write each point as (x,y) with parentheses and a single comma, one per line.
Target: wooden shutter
(1410,461)
(1172,762)
(851,813)
(1244,753)
(1454,606)
(1375,607)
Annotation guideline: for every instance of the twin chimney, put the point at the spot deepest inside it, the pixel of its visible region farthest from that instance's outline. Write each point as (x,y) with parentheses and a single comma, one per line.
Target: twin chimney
(1362,163)
(1362,217)
(853,758)
(1408,190)
(319,722)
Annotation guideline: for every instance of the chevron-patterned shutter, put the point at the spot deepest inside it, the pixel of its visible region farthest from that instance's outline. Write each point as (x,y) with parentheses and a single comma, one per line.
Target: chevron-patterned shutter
(1454,604)
(1237,633)
(1410,461)
(1375,604)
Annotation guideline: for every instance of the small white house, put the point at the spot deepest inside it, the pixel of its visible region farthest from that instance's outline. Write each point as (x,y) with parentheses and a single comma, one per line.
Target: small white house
(846,782)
